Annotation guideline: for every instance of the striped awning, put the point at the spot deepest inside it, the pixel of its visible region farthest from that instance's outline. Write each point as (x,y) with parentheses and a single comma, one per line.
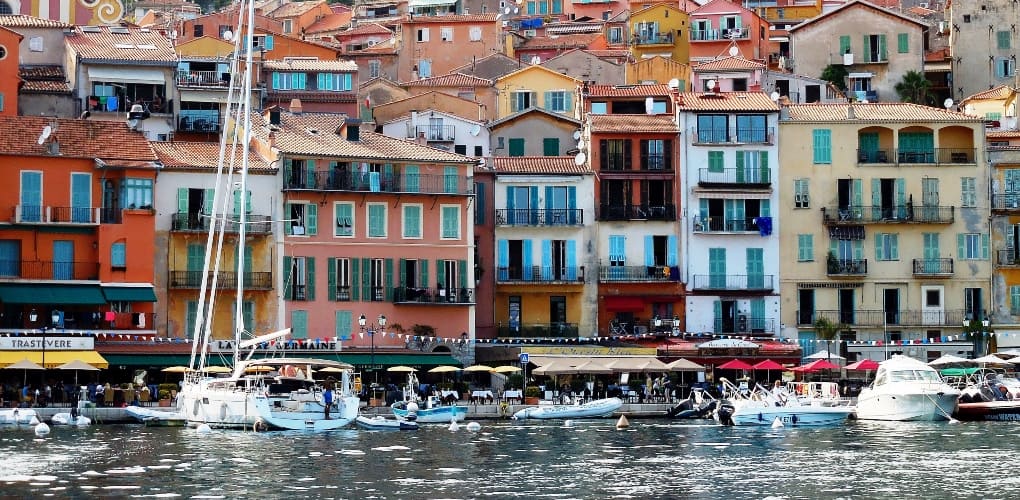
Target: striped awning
(846,232)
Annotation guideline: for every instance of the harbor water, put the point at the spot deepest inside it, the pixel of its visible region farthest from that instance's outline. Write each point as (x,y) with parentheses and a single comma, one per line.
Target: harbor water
(506,459)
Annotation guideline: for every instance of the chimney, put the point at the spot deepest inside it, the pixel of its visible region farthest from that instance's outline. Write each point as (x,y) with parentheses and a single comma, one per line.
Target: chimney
(784,112)
(274,116)
(353,126)
(295,106)
(53,148)
(850,112)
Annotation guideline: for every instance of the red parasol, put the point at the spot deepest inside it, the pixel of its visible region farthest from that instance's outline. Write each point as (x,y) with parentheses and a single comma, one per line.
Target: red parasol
(768,364)
(863,365)
(735,364)
(818,364)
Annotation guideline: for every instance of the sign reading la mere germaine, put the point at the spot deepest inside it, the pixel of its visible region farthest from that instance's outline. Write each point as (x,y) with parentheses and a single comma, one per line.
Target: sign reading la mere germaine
(52,343)
(295,345)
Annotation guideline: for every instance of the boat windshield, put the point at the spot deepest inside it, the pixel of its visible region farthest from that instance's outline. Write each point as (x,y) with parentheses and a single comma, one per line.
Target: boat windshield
(914,376)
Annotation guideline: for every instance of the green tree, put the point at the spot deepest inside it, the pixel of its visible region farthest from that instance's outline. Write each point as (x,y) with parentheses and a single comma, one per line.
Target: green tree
(827,330)
(913,88)
(835,74)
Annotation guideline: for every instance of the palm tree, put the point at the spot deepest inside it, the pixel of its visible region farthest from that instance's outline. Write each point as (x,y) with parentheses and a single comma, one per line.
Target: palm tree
(913,88)
(827,331)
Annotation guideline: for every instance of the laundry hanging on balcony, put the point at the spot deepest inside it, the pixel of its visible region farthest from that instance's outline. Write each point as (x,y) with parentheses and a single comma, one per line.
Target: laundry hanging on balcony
(764,225)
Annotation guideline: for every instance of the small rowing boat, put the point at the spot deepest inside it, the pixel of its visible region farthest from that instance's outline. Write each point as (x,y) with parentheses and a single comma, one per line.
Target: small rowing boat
(380,422)
(591,409)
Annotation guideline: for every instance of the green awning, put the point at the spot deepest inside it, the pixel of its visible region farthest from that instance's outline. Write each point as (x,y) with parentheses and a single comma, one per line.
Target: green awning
(155,360)
(357,359)
(395,359)
(129,293)
(34,294)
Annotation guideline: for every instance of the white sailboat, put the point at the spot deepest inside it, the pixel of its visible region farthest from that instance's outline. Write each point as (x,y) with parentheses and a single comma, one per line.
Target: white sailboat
(259,394)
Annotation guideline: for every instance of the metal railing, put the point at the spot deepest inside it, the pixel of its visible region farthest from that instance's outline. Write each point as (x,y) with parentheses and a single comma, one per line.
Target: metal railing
(438,133)
(744,325)
(1007,258)
(888,214)
(404,295)
(652,38)
(1006,201)
(638,273)
(539,274)
(936,156)
(637,212)
(380,182)
(86,317)
(879,318)
(539,217)
(734,282)
(538,330)
(747,176)
(193,279)
(721,225)
(711,35)
(932,267)
(37,214)
(49,270)
(255,224)
(847,267)
(739,136)
(203,79)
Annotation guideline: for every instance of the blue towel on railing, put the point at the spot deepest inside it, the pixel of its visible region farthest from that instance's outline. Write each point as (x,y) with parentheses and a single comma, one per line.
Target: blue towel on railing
(764,225)
(111,103)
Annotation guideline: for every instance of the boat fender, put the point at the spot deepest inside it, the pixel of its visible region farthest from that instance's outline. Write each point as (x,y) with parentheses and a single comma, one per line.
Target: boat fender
(203,429)
(474,426)
(42,429)
(622,423)
(761,418)
(793,419)
(454,426)
(260,425)
(777,423)
(223,411)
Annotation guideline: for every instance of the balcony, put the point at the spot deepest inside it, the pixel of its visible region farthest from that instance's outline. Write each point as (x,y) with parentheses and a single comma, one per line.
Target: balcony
(255,224)
(432,133)
(712,35)
(71,216)
(540,217)
(745,324)
(880,318)
(837,268)
(889,214)
(933,268)
(445,296)
(937,156)
(203,79)
(89,318)
(1007,258)
(637,212)
(638,274)
(538,330)
(725,137)
(735,178)
(48,270)
(226,280)
(733,282)
(1006,202)
(652,39)
(376,182)
(724,226)
(540,275)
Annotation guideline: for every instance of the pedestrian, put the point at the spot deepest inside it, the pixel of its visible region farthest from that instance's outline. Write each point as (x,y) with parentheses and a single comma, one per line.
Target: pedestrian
(327,397)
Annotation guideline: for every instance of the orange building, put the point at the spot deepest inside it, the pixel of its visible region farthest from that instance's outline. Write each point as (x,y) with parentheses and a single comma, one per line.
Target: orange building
(297,17)
(720,24)
(9,81)
(218,23)
(435,45)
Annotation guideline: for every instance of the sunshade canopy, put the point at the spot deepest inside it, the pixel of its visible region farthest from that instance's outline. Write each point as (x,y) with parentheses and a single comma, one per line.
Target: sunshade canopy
(734,364)
(768,364)
(864,364)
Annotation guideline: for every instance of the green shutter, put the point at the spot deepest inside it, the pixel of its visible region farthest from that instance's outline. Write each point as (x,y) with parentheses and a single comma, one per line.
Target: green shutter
(388,279)
(882,54)
(355,289)
(822,146)
(1003,39)
(740,166)
(344,321)
(331,279)
(462,271)
(208,200)
(716,161)
(763,167)
(894,250)
(288,291)
(844,44)
(441,273)
(424,273)
(182,200)
(310,174)
(878,247)
(299,324)
(903,43)
(1014,299)
(866,56)
(287,225)
(310,277)
(516,146)
(366,279)
(311,219)
(984,246)
(551,146)
(402,270)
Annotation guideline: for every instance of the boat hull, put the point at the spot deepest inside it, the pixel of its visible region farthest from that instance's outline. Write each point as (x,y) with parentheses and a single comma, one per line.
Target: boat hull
(156,418)
(989,410)
(229,409)
(753,414)
(387,424)
(437,415)
(593,409)
(917,406)
(19,416)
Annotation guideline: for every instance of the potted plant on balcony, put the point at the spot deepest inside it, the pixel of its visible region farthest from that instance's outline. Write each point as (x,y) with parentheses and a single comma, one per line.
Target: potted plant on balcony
(832,263)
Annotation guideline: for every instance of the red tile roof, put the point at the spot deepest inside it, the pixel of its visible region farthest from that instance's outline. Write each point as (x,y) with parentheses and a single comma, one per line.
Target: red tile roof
(633,123)
(203,156)
(19,21)
(539,165)
(628,90)
(578,40)
(366,29)
(110,141)
(295,8)
(726,101)
(728,64)
(1000,92)
(466,18)
(124,44)
(876,111)
(48,79)
(449,80)
(330,23)
(609,53)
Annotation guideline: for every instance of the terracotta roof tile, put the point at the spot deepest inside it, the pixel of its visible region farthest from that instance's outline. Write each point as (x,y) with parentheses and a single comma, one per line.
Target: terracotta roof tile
(332,22)
(44,79)
(726,101)
(366,29)
(547,42)
(609,52)
(539,165)
(292,9)
(77,139)
(1000,92)
(1003,134)
(573,28)
(466,18)
(633,123)
(203,156)
(19,21)
(125,44)
(879,111)
(316,134)
(628,90)
(312,65)
(729,63)
(449,80)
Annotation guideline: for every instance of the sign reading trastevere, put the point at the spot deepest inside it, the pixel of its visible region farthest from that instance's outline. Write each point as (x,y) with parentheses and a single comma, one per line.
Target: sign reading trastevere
(52,343)
(590,350)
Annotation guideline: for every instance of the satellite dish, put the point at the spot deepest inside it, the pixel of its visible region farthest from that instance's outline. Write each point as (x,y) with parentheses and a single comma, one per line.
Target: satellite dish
(46,131)
(674,83)
(499,15)
(506,11)
(580,144)
(580,159)
(948,103)
(711,85)
(520,2)
(133,123)
(516,10)
(228,35)
(774,96)
(477,129)
(173,35)
(577,135)
(734,51)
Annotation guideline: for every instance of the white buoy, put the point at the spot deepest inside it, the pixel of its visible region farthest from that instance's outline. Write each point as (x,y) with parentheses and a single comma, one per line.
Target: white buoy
(622,423)
(568,423)
(83,421)
(42,429)
(777,423)
(203,429)
(454,426)
(473,426)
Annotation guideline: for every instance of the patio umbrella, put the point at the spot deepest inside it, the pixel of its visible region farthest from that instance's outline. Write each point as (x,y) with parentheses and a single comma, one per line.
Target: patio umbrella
(259,369)
(77,365)
(558,367)
(684,365)
(735,364)
(478,368)
(767,366)
(506,369)
(1015,360)
(863,365)
(590,367)
(176,369)
(401,369)
(816,365)
(26,365)
(444,369)
(949,361)
(216,369)
(991,360)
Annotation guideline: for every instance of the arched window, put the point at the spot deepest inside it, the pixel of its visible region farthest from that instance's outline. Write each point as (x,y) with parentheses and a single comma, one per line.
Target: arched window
(5,8)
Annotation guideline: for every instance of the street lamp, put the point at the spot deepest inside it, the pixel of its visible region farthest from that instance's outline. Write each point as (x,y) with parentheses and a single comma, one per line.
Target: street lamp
(676,325)
(658,323)
(370,330)
(978,330)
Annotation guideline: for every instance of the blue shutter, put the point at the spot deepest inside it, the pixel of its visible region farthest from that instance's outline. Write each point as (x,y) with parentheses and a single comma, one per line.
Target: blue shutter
(533,215)
(546,260)
(671,251)
(268,42)
(526,260)
(118,255)
(81,197)
(31,196)
(571,260)
(572,218)
(411,179)
(344,322)
(511,215)
(503,260)
(649,250)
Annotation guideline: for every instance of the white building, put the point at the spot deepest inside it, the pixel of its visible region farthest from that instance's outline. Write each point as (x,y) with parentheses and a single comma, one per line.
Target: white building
(442,130)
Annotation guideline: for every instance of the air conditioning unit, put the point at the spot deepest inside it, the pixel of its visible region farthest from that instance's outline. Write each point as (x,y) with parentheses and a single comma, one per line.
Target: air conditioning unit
(529,33)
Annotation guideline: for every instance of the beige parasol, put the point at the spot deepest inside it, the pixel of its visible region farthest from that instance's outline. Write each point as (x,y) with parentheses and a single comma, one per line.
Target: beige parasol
(176,369)
(444,369)
(478,368)
(401,369)
(506,369)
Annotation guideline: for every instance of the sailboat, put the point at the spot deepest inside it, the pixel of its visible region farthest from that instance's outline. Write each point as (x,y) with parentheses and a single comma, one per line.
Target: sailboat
(431,410)
(258,394)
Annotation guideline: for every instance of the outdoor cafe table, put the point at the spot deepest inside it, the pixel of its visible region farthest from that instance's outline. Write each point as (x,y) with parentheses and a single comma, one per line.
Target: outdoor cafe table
(513,395)
(481,395)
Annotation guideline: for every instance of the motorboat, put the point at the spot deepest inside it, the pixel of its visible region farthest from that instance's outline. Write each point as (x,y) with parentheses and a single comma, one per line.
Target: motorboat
(990,396)
(761,406)
(906,389)
(700,404)
(19,416)
(70,418)
(597,408)
(430,410)
(151,417)
(380,422)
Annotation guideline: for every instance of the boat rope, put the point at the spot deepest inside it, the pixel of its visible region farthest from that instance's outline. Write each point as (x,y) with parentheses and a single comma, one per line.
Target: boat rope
(940,410)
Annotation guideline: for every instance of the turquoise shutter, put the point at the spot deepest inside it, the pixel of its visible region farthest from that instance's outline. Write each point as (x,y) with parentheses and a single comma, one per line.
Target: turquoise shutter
(649,250)
(876,199)
(547,100)
(276,80)
(858,249)
(511,214)
(740,167)
(502,260)
(763,167)
(118,254)
(822,146)
(344,323)
(755,268)
(858,186)
(423,273)
(844,44)
(311,219)
(246,265)
(717,267)
(288,291)
(903,43)
(568,101)
(764,208)
(320,81)
(546,260)
(894,244)
(961,245)
(703,212)
(196,257)
(901,199)
(402,270)
(526,260)
(571,260)
(441,273)
(182,200)
(533,201)
(671,251)
(299,324)
(867,49)
(355,288)
(757,320)
(288,172)
(984,246)
(572,206)
(310,277)
(310,174)
(882,54)
(388,279)
(331,279)
(207,201)
(451,182)
(717,316)
(462,272)
(411,179)
(237,202)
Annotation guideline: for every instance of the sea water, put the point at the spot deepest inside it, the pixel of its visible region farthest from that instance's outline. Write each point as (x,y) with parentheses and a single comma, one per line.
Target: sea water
(504,459)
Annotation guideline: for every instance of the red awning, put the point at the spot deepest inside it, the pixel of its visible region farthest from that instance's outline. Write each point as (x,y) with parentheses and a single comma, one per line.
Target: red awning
(624,304)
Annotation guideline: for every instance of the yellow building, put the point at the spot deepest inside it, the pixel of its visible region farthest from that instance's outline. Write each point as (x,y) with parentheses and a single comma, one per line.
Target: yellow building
(536,87)
(995,105)
(884,219)
(659,69)
(658,30)
(1004,158)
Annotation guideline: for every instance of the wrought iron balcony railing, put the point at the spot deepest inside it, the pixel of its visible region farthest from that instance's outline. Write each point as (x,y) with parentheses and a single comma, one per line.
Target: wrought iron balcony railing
(48,270)
(539,274)
(889,214)
(880,318)
(731,177)
(225,280)
(638,273)
(377,182)
(847,267)
(413,295)
(733,282)
(255,224)
(933,267)
(540,217)
(538,330)
(637,212)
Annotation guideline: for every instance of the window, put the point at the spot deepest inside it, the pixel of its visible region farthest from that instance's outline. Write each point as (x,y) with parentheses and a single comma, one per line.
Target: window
(1002,39)
(35,44)
(903,43)
(966,18)
(516,146)
(598,108)
(972,246)
(118,255)
(475,33)
(801,193)
(614,154)
(376,220)
(616,34)
(303,219)
(373,68)
(344,220)
(479,203)
(199,30)
(137,193)
(299,280)
(335,82)
(423,34)
(751,128)
(712,128)
(376,279)
(969,192)
(289,81)
(821,142)
(874,49)
(446,34)
(451,180)
(1014,300)
(521,100)
(558,101)
(844,44)
(340,279)
(805,248)
(550,146)
(451,222)
(655,154)
(1004,67)
(716,162)
(887,246)
(411,223)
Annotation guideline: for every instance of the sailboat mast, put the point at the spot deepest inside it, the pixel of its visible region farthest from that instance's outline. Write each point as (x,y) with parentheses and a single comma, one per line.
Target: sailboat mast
(242,199)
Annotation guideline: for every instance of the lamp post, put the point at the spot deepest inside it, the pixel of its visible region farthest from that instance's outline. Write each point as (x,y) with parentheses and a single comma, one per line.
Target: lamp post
(977,329)
(370,330)
(658,323)
(676,325)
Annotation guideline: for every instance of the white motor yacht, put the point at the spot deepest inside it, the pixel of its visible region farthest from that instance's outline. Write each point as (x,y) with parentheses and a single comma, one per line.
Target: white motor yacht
(906,389)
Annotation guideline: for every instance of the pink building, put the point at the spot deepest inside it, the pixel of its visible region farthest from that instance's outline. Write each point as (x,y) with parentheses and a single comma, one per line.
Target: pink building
(720,24)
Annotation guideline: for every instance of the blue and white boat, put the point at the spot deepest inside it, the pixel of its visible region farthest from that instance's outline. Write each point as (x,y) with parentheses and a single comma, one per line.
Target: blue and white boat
(381,423)
(591,409)
(764,407)
(430,411)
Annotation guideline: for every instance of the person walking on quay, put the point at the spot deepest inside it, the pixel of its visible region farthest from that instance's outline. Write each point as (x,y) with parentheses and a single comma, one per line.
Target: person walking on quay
(327,397)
